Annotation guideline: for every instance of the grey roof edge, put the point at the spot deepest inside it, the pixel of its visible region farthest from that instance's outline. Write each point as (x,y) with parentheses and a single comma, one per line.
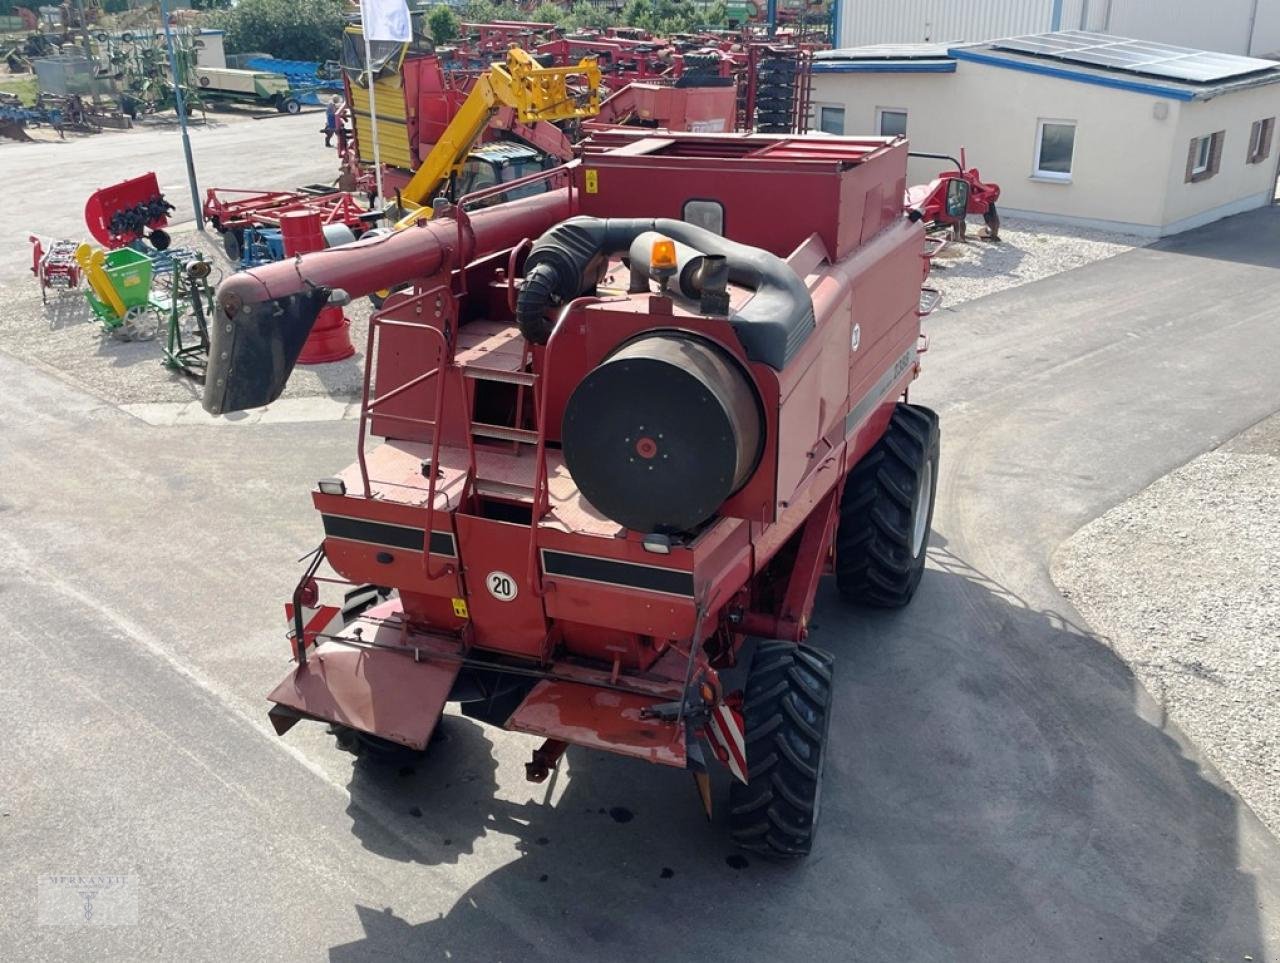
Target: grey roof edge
(986,52)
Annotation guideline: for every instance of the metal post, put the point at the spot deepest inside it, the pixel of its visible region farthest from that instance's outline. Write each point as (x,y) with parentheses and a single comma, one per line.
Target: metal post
(373,115)
(88,52)
(1253,22)
(180,105)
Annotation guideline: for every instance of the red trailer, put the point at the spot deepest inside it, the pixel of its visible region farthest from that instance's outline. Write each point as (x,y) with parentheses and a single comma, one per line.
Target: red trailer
(625,424)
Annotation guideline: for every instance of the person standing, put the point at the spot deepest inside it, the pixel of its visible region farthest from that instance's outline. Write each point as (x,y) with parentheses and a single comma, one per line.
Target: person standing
(331,119)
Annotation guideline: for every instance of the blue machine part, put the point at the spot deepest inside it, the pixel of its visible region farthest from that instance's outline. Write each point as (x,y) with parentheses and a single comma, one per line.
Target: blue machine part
(261,245)
(308,83)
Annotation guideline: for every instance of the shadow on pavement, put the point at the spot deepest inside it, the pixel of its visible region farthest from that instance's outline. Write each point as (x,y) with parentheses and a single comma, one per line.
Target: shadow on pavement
(992,793)
(1249,238)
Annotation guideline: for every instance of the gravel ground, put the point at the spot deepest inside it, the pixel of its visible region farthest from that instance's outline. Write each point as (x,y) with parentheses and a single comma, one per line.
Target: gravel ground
(66,339)
(1027,251)
(1184,581)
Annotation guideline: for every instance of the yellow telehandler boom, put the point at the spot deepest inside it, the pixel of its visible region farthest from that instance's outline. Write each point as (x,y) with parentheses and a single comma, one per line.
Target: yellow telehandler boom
(534,92)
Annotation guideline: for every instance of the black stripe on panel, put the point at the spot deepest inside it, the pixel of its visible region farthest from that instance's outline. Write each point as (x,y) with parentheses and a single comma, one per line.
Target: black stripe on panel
(590,568)
(384,533)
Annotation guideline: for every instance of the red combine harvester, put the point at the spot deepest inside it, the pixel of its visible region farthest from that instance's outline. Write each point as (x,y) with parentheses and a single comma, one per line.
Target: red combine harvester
(626,423)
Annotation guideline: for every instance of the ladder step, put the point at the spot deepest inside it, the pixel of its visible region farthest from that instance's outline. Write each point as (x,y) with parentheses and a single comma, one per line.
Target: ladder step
(503,433)
(488,488)
(496,374)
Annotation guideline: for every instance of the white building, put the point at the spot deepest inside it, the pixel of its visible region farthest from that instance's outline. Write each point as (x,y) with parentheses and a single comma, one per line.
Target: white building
(1249,27)
(1094,144)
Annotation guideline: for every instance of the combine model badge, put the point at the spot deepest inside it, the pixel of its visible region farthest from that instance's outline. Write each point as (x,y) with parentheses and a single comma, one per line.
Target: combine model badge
(501,586)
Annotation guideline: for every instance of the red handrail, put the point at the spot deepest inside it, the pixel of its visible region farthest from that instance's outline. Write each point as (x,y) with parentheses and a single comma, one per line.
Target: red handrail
(540,457)
(462,219)
(445,367)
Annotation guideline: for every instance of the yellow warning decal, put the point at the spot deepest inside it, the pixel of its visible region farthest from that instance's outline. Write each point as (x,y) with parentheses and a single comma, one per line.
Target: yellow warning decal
(593,182)
(460,609)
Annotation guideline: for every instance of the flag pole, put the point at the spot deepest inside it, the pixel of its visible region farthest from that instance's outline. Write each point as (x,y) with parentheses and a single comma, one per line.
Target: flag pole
(373,107)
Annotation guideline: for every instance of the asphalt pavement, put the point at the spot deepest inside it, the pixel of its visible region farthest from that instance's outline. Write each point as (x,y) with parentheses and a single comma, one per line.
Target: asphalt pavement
(228,151)
(999,786)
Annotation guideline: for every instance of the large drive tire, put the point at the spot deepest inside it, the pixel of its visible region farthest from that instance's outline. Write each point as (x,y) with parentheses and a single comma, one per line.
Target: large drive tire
(886,512)
(787,711)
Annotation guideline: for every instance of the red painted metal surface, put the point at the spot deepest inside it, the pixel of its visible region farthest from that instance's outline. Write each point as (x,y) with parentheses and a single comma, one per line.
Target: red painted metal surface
(302,232)
(106,202)
(384,680)
(931,200)
(600,719)
(709,110)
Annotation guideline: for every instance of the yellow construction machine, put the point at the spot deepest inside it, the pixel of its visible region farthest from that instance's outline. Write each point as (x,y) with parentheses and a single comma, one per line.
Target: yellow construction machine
(535,94)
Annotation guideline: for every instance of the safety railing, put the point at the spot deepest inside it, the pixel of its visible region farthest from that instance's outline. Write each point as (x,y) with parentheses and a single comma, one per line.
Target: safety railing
(541,485)
(369,408)
(463,219)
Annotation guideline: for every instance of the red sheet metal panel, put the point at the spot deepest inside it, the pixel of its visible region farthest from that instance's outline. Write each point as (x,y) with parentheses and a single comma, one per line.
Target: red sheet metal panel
(600,719)
(381,691)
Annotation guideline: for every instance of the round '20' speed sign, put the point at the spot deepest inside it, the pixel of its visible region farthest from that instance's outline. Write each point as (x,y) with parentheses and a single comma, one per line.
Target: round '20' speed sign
(501,586)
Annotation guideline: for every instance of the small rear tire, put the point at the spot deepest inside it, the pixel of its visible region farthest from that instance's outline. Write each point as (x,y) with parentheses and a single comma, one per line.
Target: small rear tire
(786,714)
(887,511)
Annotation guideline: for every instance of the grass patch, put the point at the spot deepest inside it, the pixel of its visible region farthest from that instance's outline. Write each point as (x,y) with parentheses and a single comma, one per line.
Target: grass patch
(24,85)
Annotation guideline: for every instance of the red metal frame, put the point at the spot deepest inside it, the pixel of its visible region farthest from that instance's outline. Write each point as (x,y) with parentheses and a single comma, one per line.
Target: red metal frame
(231,208)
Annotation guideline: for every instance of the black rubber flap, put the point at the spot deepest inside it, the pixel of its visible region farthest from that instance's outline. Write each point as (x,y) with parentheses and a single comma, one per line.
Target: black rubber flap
(254,346)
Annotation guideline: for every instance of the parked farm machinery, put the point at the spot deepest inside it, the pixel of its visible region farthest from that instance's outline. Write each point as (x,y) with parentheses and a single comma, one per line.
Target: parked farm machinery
(241,216)
(624,423)
(129,211)
(949,198)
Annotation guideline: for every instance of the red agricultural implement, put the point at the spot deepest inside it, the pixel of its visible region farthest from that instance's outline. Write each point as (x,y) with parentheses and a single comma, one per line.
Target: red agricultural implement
(709,109)
(129,211)
(55,266)
(624,424)
(949,198)
(232,210)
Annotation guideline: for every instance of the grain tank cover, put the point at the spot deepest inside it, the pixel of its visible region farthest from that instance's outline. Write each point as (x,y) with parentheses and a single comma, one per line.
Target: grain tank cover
(662,432)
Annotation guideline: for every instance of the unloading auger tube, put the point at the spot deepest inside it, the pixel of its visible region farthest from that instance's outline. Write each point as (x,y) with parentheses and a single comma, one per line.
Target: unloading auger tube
(262,316)
(570,258)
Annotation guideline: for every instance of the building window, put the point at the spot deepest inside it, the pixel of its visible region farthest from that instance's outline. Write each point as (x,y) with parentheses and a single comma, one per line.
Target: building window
(1260,140)
(831,120)
(1055,149)
(1204,157)
(892,121)
(1203,151)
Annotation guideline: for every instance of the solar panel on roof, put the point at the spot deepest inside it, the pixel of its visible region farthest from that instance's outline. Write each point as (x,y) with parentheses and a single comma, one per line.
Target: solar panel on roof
(1134,56)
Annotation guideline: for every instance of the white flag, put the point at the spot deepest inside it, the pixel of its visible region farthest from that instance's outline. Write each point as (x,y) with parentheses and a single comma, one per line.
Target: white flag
(386,20)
